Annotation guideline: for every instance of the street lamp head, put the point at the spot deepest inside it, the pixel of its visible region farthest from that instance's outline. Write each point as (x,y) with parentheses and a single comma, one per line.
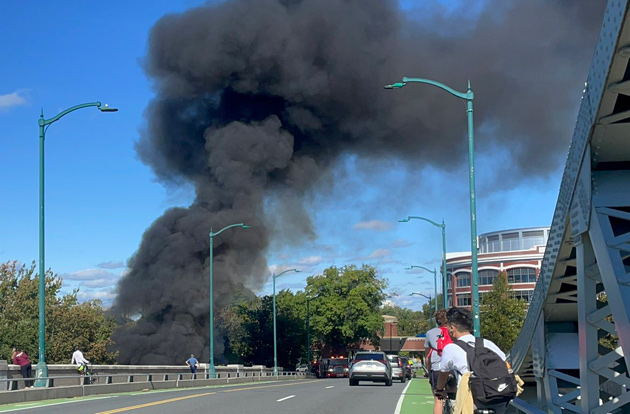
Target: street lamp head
(396,85)
(405,220)
(107,108)
(245,226)
(409,268)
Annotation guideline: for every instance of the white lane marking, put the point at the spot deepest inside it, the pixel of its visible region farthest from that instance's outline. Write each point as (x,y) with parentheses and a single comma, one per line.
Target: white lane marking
(332,386)
(285,398)
(400,400)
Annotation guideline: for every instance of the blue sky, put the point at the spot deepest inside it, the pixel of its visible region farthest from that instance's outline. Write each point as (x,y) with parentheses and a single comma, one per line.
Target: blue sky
(100,198)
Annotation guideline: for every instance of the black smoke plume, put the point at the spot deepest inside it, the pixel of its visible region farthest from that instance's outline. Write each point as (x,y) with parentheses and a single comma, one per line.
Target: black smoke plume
(257,99)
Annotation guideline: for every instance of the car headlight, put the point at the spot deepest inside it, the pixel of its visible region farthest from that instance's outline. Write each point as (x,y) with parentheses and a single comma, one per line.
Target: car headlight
(346,369)
(330,370)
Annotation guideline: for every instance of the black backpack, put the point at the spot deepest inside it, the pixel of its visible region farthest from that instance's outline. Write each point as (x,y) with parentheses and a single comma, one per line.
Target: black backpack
(490,381)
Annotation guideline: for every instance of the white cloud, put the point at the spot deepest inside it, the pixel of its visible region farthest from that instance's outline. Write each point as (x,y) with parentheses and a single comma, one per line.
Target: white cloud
(99,283)
(310,261)
(90,274)
(396,244)
(375,225)
(107,296)
(111,265)
(380,254)
(10,100)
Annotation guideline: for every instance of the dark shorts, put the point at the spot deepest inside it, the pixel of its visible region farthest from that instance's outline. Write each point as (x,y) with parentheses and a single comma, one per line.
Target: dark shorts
(433,378)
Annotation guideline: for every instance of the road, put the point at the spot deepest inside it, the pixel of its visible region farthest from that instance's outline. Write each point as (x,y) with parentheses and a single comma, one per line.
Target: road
(279,397)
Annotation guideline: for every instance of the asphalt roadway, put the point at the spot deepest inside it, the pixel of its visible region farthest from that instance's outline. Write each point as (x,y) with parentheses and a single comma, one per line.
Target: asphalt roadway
(317,396)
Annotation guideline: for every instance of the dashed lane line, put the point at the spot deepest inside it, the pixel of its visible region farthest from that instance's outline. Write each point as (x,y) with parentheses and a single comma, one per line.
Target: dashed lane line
(285,398)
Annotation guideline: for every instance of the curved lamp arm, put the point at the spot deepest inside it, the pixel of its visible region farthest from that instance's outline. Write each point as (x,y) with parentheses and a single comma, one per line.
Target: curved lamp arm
(44,122)
(409,218)
(422,267)
(275,276)
(420,294)
(229,227)
(469,95)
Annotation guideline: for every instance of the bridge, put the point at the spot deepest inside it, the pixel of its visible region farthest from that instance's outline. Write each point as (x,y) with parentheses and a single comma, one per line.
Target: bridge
(573,345)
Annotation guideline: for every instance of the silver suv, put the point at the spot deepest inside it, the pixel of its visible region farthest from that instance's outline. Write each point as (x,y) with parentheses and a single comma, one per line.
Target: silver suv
(370,366)
(398,368)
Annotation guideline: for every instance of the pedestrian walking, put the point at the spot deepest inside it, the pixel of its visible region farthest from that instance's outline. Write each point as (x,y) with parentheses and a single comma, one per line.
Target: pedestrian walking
(20,358)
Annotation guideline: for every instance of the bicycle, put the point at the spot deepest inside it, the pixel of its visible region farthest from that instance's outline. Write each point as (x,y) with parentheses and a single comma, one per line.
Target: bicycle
(89,376)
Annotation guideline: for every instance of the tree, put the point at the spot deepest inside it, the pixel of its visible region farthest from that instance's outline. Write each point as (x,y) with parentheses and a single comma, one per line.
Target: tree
(410,322)
(346,308)
(68,323)
(249,330)
(502,315)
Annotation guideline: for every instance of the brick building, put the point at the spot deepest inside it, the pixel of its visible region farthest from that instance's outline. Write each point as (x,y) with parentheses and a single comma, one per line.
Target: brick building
(519,252)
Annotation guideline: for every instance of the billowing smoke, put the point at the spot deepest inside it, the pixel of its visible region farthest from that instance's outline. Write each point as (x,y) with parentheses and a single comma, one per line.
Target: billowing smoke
(257,99)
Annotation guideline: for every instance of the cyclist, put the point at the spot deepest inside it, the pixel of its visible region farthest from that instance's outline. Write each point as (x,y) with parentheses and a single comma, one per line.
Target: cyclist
(79,359)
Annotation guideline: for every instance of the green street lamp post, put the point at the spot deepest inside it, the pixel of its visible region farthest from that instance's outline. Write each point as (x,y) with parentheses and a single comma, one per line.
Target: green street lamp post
(468,96)
(275,343)
(211,368)
(42,368)
(424,296)
(434,281)
(443,227)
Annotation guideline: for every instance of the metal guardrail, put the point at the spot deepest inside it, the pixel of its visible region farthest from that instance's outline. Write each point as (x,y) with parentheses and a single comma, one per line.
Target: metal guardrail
(13,383)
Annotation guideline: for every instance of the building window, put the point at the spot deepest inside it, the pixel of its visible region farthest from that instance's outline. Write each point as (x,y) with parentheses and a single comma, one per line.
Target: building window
(533,238)
(449,280)
(463,299)
(525,295)
(487,277)
(463,279)
(510,242)
(521,275)
(494,245)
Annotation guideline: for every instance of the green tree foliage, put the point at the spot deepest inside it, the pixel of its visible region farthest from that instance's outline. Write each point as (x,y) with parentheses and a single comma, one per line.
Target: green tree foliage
(68,323)
(410,322)
(346,308)
(249,330)
(502,316)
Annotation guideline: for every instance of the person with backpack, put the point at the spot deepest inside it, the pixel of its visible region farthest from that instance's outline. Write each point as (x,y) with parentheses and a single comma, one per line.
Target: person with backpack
(479,366)
(436,340)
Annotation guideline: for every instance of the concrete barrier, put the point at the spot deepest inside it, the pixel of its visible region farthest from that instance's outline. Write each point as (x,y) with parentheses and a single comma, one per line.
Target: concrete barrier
(159,381)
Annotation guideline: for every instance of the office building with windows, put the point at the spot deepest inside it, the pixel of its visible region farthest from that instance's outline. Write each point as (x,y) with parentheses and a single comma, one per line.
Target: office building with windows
(518,252)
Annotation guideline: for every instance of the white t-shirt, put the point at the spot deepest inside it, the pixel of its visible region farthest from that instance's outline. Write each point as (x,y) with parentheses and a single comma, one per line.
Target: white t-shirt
(454,357)
(78,358)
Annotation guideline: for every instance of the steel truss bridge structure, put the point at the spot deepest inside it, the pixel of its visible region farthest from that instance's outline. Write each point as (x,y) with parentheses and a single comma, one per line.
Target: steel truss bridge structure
(574,348)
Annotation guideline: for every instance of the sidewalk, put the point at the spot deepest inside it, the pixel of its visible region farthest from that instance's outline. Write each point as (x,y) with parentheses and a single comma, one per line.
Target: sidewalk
(418,398)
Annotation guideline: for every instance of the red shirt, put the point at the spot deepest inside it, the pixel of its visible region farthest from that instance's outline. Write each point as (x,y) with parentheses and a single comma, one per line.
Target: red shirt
(21,359)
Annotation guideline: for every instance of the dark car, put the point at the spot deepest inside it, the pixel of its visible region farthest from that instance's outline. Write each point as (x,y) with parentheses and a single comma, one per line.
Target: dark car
(407,366)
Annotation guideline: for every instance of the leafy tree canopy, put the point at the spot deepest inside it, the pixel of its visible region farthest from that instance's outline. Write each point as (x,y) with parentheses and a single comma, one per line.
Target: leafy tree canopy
(345,306)
(68,322)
